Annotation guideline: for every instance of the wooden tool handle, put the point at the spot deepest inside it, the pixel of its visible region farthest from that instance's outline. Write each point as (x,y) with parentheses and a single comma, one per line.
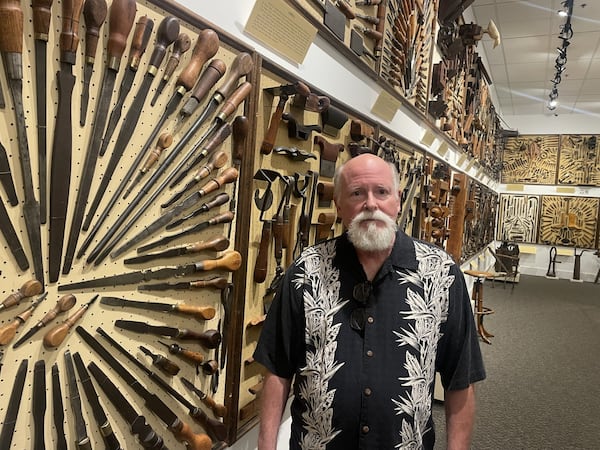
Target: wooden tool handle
(94,15)
(262,258)
(346,9)
(64,303)
(11,18)
(208,339)
(69,39)
(230,261)
(182,44)
(42,12)
(216,161)
(241,65)
(7,332)
(199,312)
(240,128)
(56,335)
(218,243)
(167,32)
(193,357)
(219,200)
(164,141)
(213,73)
(120,22)
(207,45)
(184,433)
(139,42)
(29,288)
(238,96)
(269,138)
(278,237)
(229,175)
(217,139)
(218,409)
(217,283)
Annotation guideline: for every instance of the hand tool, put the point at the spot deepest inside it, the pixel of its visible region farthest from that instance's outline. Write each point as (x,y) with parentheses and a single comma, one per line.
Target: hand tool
(65,303)
(108,435)
(358,46)
(263,203)
(12,238)
(207,45)
(224,322)
(190,356)
(104,247)
(241,65)
(12,409)
(379,28)
(122,15)
(216,161)
(225,217)
(62,147)
(38,407)
(58,413)
(218,243)
(329,155)
(294,153)
(11,47)
(163,363)
(333,120)
(198,312)
(82,440)
(167,217)
(217,283)
(284,92)
(7,332)
(217,409)
(147,437)
(325,193)
(333,18)
(167,32)
(215,429)
(297,130)
(6,177)
(414,182)
(208,339)
(139,42)
(42,12)
(94,14)
(220,198)
(369,19)
(240,128)
(182,44)
(27,289)
(325,223)
(368,2)
(2,102)
(230,261)
(54,337)
(164,141)
(312,102)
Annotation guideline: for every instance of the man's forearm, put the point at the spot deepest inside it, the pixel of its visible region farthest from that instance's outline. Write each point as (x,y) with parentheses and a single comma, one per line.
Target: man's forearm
(274,396)
(460,416)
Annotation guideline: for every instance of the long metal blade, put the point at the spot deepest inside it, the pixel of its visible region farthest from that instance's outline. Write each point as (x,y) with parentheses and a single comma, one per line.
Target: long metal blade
(88,69)
(171,253)
(89,166)
(40,89)
(12,238)
(144,328)
(57,410)
(151,306)
(6,177)
(39,404)
(12,409)
(81,437)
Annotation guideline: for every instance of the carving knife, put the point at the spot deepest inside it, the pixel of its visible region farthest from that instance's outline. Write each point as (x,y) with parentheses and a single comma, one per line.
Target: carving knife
(42,11)
(208,339)
(6,177)
(94,14)
(230,261)
(166,33)
(141,36)
(82,440)
(122,15)
(11,47)
(198,312)
(217,283)
(218,243)
(62,147)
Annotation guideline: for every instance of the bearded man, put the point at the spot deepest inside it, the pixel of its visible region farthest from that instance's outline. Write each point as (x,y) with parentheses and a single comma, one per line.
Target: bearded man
(361,323)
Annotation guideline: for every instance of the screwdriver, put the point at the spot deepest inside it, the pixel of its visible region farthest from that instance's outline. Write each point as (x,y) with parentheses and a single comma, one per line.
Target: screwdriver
(165,364)
(56,335)
(7,332)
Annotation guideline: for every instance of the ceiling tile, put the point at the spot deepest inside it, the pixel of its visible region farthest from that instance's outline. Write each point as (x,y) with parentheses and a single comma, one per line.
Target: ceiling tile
(527,72)
(527,49)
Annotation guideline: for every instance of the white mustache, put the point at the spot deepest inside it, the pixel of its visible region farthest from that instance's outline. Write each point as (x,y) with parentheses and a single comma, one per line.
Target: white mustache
(374,215)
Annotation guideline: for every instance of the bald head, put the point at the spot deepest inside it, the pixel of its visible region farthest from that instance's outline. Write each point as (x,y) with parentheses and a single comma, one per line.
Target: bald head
(363,162)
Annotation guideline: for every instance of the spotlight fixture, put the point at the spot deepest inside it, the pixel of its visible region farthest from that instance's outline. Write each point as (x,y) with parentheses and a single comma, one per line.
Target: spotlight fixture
(566,33)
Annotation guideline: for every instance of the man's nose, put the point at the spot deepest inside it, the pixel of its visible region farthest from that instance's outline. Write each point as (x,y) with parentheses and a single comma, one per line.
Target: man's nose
(371,202)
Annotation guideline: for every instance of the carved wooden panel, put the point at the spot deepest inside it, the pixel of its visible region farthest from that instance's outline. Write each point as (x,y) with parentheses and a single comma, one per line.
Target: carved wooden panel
(579,160)
(530,159)
(480,219)
(569,221)
(518,220)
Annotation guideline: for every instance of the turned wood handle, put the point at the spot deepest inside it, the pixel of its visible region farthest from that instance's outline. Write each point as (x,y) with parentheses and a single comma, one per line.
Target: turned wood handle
(7,332)
(206,47)
(240,127)
(208,339)
(139,42)
(164,141)
(167,32)
(29,288)
(120,22)
(184,433)
(94,15)
(218,243)
(42,12)
(199,312)
(218,283)
(229,261)
(262,258)
(11,17)
(229,175)
(213,73)
(217,160)
(182,44)
(217,139)
(194,357)
(65,303)
(269,139)
(69,39)
(56,335)
(238,96)
(241,65)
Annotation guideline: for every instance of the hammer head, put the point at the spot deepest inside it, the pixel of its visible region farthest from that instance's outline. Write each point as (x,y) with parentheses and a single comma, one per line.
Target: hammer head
(287,90)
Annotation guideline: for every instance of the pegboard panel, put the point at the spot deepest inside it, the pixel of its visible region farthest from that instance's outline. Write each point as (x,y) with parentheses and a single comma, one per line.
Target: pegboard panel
(530,159)
(568,221)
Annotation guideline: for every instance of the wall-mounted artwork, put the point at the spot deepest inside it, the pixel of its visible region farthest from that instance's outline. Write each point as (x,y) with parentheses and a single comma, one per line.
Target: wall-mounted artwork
(569,221)
(530,159)
(579,160)
(518,220)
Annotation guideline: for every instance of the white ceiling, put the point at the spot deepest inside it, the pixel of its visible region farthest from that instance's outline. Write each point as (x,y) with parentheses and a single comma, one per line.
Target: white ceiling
(523,65)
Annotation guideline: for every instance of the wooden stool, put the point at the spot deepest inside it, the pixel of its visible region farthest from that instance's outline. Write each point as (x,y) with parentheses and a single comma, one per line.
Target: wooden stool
(480,310)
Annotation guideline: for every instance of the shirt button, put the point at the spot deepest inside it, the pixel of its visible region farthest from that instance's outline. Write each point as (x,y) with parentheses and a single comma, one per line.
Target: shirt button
(365,429)
(370,319)
(369,353)
(368,391)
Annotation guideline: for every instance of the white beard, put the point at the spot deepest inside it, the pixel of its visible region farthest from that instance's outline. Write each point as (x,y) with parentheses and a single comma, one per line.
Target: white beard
(374,238)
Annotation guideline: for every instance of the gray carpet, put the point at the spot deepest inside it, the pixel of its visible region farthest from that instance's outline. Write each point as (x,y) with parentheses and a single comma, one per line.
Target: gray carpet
(543,372)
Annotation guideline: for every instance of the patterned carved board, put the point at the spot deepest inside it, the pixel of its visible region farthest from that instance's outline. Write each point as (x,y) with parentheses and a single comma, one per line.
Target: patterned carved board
(518,218)
(579,160)
(480,219)
(530,159)
(569,221)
